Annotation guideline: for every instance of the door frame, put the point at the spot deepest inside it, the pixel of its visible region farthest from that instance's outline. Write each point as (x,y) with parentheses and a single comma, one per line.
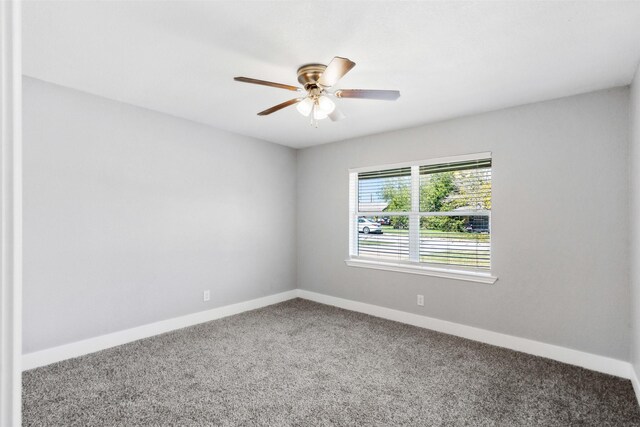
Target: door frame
(10,212)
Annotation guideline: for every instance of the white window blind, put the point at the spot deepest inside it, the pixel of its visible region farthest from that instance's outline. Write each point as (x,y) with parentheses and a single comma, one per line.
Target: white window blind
(384,194)
(455,205)
(426,213)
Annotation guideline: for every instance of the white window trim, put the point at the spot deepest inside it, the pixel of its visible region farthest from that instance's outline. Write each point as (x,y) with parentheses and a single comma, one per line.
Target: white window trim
(424,162)
(420,268)
(413,266)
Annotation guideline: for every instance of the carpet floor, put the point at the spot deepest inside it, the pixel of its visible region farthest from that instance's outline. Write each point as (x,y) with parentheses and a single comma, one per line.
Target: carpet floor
(306,364)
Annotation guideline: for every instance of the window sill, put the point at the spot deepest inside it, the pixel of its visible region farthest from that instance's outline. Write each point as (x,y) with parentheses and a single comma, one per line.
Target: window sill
(469,276)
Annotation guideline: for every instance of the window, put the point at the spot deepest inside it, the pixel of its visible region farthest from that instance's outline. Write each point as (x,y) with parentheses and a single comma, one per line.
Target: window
(431,217)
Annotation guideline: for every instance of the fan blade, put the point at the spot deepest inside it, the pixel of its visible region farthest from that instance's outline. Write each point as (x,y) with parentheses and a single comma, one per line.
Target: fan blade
(266,83)
(386,95)
(337,68)
(280,106)
(336,115)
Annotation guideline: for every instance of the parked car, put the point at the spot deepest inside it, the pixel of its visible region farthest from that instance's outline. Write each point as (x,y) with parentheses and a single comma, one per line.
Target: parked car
(385,220)
(365,226)
(477,225)
(477,229)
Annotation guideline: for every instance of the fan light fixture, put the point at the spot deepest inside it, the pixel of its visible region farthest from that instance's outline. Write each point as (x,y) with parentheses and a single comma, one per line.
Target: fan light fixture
(317,79)
(321,106)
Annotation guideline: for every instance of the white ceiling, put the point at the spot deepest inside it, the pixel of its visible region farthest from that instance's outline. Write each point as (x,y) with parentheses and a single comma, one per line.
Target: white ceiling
(448,59)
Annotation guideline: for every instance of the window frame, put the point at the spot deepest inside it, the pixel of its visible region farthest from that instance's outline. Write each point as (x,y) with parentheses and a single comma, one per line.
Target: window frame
(413,265)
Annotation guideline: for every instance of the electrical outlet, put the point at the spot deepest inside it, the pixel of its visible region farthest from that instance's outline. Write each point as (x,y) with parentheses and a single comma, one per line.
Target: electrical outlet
(206,296)
(420,299)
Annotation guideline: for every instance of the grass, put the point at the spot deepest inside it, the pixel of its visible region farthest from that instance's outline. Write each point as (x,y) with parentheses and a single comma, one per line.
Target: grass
(459,262)
(483,237)
(451,257)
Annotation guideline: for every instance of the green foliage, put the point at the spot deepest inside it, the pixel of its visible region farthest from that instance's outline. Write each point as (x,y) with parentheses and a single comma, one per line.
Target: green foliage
(398,196)
(476,192)
(435,191)
(439,192)
(443,223)
(485,188)
(435,196)
(400,222)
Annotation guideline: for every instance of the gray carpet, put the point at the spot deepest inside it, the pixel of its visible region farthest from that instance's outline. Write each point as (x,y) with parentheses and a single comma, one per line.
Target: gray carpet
(306,364)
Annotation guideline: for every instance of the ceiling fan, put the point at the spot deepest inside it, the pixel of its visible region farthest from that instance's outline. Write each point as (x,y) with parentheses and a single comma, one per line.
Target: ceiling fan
(315,100)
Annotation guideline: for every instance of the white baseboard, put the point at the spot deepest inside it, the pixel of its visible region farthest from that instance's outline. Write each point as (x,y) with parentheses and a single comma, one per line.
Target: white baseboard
(594,362)
(102,342)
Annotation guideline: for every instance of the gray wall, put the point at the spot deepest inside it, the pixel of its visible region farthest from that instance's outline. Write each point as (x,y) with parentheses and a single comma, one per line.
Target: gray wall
(560,222)
(130,214)
(634,204)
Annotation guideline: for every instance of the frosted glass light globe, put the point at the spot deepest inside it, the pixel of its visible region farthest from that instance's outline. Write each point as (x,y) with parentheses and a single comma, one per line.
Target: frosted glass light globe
(305,106)
(326,105)
(318,114)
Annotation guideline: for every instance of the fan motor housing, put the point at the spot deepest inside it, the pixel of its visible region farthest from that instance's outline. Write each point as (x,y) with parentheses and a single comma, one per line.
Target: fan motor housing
(309,74)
